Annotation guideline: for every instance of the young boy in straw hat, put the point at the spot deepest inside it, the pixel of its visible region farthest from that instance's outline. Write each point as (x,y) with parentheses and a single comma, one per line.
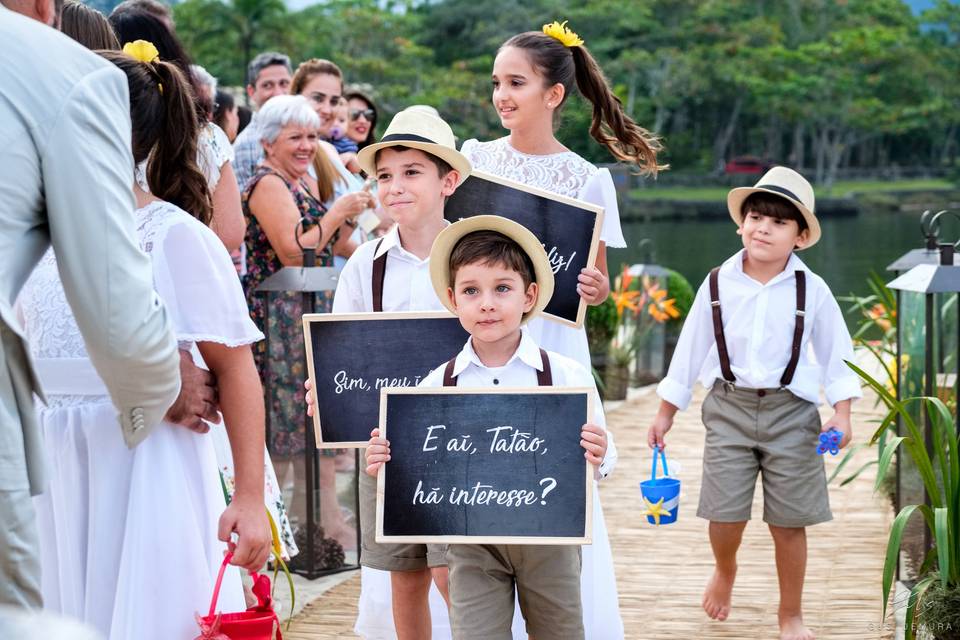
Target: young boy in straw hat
(748,339)
(416,165)
(495,276)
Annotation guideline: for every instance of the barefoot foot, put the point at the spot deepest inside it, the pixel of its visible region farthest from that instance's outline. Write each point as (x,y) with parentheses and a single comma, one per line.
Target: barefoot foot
(792,628)
(716,597)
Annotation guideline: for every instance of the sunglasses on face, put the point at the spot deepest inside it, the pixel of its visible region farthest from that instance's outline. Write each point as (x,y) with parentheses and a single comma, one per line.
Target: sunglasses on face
(368,114)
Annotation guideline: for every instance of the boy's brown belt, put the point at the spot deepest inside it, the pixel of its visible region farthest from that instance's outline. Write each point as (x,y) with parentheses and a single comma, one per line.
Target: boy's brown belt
(722,352)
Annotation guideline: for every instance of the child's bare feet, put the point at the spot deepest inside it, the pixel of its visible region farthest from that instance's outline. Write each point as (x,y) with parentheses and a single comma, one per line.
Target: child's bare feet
(792,628)
(716,597)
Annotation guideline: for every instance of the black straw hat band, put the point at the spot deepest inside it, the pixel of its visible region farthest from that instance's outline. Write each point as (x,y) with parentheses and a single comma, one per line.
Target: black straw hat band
(406,137)
(773,187)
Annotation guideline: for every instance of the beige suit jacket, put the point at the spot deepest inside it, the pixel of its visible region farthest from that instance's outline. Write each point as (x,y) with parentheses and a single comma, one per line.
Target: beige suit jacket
(66,172)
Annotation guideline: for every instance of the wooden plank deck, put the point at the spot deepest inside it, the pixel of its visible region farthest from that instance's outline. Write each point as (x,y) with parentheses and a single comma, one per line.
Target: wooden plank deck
(661,572)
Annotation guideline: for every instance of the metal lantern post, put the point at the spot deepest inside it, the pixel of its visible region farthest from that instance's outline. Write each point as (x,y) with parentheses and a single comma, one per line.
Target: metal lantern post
(928,351)
(650,363)
(307,280)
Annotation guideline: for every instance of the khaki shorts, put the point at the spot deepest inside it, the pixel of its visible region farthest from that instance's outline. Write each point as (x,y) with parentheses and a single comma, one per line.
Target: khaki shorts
(547,579)
(390,557)
(766,431)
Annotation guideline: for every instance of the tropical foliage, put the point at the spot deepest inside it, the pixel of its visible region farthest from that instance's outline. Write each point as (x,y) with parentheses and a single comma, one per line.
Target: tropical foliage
(823,84)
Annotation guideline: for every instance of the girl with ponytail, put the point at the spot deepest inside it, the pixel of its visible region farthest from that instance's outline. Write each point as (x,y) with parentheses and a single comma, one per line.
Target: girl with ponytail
(534,75)
(133,539)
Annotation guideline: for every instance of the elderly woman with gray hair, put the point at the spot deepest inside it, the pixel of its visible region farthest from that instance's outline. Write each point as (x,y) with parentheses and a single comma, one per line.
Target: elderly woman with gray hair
(280,203)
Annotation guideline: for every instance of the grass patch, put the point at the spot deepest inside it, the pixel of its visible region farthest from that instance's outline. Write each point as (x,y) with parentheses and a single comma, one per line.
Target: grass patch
(839,190)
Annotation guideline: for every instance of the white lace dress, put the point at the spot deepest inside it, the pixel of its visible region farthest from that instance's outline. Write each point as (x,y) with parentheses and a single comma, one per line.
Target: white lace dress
(128,537)
(570,175)
(214,151)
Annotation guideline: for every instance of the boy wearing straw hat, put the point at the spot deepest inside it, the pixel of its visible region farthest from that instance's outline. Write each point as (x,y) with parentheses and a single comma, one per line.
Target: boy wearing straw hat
(417,166)
(495,276)
(764,334)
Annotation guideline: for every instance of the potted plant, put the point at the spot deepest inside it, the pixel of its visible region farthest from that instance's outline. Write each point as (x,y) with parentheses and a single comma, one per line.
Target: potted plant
(938,581)
(601,326)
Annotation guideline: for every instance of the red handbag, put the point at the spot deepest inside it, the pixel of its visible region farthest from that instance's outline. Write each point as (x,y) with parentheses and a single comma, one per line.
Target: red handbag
(259,622)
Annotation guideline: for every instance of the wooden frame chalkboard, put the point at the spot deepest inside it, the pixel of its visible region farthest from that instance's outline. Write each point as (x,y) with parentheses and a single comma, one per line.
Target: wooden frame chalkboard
(568,228)
(378,350)
(566,518)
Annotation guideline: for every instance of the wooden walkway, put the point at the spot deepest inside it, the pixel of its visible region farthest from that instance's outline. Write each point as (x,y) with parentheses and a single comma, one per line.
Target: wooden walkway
(661,572)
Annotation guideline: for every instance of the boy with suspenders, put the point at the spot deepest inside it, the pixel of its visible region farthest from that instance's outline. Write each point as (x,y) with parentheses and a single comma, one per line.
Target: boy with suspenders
(495,275)
(416,165)
(748,339)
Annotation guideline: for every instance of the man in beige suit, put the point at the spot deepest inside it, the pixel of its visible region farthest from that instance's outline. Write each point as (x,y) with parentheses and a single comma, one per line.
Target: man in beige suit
(66,178)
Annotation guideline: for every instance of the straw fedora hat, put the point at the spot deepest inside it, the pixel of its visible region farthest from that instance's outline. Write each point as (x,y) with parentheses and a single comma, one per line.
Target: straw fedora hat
(448,238)
(787,184)
(417,129)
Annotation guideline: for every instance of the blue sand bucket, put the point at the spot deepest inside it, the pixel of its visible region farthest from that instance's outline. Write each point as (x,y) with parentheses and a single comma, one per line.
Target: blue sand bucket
(656,489)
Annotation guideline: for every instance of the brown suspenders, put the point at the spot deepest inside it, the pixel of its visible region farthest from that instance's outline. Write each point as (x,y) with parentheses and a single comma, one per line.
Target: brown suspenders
(722,352)
(718,326)
(379,273)
(544,378)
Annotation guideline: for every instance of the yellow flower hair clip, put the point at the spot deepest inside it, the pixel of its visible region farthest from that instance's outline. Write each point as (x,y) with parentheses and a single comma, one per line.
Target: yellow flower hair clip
(560,31)
(142,51)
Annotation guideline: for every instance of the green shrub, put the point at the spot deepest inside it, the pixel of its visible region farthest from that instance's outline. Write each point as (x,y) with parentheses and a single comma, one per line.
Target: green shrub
(680,290)
(601,325)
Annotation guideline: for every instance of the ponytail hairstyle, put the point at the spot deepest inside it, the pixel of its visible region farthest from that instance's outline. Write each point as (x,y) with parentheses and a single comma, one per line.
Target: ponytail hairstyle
(136,23)
(165,131)
(564,59)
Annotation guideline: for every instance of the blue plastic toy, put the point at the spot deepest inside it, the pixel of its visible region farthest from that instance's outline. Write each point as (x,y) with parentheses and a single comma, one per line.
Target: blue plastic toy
(830,441)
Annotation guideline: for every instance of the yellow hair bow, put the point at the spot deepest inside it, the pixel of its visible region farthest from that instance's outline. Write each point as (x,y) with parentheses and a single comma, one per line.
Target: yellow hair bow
(560,31)
(143,51)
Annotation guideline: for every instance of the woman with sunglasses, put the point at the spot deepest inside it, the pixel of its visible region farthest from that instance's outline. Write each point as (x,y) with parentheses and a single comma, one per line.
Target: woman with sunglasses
(361,117)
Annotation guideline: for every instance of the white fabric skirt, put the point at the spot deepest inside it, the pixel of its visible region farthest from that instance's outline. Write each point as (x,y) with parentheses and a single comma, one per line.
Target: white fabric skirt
(128,538)
(598,593)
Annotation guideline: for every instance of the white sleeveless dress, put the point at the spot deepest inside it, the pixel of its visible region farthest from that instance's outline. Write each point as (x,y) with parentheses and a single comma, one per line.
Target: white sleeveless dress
(570,175)
(128,537)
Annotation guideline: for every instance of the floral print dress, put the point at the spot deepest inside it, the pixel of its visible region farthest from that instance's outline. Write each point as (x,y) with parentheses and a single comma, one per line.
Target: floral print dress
(286,367)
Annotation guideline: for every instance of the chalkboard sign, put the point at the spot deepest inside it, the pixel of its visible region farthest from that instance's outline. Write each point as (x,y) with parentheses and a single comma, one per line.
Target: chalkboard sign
(351,356)
(485,466)
(569,230)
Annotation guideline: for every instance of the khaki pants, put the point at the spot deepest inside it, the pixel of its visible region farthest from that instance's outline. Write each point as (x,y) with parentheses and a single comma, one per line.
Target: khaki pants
(391,557)
(547,581)
(767,431)
(19,564)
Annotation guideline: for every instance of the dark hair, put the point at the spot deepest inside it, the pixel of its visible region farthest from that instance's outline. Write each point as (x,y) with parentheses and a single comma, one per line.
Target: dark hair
(264,60)
(443,167)
(767,204)
(244,114)
(224,104)
(352,93)
(491,248)
(137,24)
(611,127)
(87,26)
(153,7)
(165,132)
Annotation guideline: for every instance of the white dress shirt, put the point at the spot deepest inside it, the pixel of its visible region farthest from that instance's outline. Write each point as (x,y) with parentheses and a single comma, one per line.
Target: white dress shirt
(758,323)
(521,371)
(406,283)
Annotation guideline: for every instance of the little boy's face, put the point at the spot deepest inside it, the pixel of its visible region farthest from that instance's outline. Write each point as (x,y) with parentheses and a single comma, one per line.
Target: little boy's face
(769,239)
(410,187)
(490,301)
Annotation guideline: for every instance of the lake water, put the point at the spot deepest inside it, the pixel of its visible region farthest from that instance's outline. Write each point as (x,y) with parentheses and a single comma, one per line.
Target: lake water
(850,247)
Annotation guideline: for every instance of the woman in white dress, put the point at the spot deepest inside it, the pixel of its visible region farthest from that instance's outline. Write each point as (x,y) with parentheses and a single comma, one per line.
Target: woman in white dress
(131,540)
(533,75)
